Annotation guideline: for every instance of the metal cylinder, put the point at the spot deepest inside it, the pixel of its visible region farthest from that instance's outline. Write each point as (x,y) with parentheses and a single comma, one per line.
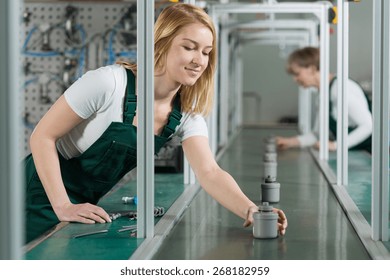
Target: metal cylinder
(270,147)
(269,161)
(269,169)
(270,190)
(270,140)
(270,157)
(265,222)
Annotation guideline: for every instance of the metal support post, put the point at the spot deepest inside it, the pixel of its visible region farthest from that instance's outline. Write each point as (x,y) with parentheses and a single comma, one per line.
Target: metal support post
(238,83)
(212,118)
(342,97)
(188,173)
(380,110)
(324,86)
(304,110)
(11,190)
(302,35)
(224,88)
(145,131)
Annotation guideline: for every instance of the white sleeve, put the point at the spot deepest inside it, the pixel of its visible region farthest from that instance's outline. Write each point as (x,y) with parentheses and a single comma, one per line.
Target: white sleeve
(306,140)
(359,115)
(89,93)
(310,138)
(191,125)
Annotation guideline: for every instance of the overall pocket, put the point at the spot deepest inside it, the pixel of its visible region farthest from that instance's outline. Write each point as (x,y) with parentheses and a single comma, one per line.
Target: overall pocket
(116,161)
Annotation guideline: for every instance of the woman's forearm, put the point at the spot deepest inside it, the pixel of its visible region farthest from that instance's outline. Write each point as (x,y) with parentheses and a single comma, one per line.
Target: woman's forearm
(48,167)
(223,188)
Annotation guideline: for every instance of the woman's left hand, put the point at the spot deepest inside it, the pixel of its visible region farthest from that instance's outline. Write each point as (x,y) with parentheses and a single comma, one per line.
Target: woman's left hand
(282,219)
(331,146)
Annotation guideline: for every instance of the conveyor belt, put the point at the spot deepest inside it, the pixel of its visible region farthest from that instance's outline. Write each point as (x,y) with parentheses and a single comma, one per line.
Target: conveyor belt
(318,227)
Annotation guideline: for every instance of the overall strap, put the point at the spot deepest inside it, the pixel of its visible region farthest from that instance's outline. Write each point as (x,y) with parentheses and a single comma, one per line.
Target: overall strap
(174,118)
(331,83)
(130,105)
(332,121)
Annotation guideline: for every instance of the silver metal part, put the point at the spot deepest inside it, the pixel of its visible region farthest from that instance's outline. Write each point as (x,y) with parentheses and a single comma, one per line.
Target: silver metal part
(90,233)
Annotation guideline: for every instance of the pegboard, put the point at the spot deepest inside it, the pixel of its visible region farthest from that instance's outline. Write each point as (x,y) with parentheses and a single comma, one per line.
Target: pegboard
(63,40)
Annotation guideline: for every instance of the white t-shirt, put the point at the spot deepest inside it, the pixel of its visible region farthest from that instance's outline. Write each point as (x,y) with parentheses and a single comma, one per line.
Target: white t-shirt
(359,116)
(98,97)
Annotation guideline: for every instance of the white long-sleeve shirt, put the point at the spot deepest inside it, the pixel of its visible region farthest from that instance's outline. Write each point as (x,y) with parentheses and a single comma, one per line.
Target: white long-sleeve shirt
(359,116)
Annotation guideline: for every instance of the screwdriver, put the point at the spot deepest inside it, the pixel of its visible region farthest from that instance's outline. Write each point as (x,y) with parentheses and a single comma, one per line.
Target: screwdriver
(130,200)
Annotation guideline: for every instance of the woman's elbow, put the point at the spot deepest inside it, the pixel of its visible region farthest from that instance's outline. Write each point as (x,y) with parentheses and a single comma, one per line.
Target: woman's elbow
(38,140)
(34,139)
(207,172)
(368,128)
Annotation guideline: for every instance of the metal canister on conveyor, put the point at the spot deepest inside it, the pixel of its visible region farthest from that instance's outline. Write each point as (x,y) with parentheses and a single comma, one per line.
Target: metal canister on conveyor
(270,140)
(269,165)
(270,147)
(270,144)
(265,222)
(270,190)
(270,157)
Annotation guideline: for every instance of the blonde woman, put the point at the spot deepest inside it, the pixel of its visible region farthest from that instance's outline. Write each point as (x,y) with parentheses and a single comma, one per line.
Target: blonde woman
(87,141)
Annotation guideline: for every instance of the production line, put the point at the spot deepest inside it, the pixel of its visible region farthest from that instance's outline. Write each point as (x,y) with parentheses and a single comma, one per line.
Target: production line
(206,230)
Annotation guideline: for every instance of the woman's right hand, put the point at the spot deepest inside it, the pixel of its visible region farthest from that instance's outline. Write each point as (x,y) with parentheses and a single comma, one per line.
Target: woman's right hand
(284,143)
(85,213)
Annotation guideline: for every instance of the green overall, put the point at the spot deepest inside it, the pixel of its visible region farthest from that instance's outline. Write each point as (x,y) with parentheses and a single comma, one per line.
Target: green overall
(92,174)
(366,144)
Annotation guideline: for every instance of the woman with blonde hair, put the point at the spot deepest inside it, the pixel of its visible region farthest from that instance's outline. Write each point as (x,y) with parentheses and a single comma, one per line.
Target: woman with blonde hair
(86,142)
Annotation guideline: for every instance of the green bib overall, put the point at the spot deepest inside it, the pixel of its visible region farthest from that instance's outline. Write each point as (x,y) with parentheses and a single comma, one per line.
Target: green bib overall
(366,144)
(92,174)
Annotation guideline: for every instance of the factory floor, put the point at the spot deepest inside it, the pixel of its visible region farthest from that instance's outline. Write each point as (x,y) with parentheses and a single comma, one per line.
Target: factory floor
(318,228)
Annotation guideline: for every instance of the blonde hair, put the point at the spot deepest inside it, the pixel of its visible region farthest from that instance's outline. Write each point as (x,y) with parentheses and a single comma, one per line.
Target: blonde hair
(199,97)
(305,57)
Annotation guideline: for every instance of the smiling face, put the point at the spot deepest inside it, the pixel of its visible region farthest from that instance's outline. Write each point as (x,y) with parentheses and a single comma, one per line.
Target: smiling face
(305,76)
(188,55)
